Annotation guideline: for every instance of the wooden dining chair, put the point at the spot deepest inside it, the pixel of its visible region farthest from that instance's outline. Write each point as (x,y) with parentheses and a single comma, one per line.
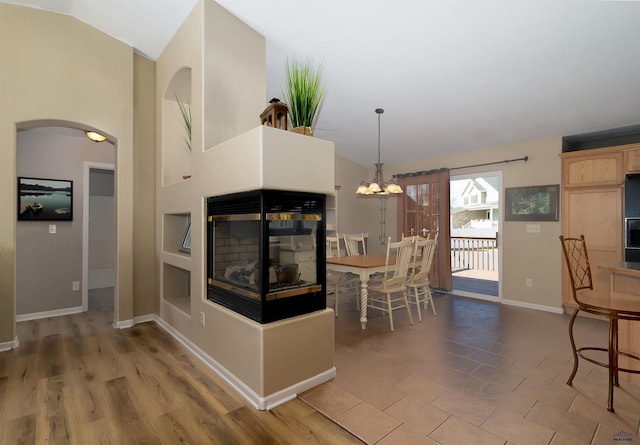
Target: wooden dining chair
(393,282)
(413,237)
(355,244)
(577,260)
(418,285)
(340,280)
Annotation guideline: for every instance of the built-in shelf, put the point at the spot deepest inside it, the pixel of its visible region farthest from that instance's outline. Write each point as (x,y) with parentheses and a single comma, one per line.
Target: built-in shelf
(332,212)
(175,227)
(176,149)
(176,287)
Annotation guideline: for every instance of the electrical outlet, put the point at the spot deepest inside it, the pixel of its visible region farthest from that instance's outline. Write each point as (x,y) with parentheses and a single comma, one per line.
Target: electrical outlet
(202,320)
(52,228)
(75,285)
(528,282)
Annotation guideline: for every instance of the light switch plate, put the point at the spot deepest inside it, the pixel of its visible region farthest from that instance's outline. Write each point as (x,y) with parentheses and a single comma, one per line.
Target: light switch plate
(533,228)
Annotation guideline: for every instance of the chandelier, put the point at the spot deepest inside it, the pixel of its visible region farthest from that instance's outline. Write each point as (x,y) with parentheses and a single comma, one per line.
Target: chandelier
(378,186)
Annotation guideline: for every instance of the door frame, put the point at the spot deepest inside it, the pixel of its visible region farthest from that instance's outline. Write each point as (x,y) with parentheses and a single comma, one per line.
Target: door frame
(500,228)
(87,167)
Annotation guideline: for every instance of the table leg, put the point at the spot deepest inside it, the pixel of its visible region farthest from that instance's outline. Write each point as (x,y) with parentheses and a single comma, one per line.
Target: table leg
(364,297)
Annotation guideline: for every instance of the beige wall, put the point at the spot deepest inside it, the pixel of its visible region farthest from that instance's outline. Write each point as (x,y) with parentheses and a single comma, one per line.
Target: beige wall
(145,277)
(56,67)
(357,214)
(523,255)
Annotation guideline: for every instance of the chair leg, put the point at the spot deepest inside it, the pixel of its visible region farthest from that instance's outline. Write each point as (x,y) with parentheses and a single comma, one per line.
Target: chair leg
(613,353)
(616,380)
(390,311)
(416,293)
(335,305)
(573,347)
(430,300)
(406,304)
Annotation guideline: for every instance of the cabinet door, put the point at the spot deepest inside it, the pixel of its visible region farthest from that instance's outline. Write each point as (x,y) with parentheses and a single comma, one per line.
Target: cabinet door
(596,214)
(632,160)
(601,169)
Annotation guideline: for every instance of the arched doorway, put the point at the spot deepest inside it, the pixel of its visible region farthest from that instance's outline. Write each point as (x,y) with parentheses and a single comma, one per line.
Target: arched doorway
(50,253)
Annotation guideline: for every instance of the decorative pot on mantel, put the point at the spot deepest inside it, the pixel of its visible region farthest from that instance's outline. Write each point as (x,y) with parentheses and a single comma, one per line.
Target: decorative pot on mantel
(307,131)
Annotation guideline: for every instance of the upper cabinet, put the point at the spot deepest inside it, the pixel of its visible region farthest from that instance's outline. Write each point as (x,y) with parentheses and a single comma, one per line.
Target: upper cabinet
(604,168)
(632,159)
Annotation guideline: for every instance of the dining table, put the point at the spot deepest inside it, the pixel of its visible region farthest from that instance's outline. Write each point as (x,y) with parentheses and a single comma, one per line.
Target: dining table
(364,266)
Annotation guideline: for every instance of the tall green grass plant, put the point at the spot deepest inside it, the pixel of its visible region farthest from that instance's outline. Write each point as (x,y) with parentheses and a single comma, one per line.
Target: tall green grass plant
(303,91)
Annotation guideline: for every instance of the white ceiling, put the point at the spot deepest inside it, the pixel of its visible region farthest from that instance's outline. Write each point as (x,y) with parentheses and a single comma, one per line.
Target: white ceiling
(452,76)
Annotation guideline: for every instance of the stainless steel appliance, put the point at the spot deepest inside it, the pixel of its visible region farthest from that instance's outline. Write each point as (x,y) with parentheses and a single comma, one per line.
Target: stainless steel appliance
(632,217)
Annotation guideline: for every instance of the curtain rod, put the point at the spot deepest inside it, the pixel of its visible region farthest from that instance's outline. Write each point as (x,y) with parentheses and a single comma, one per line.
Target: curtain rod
(506,161)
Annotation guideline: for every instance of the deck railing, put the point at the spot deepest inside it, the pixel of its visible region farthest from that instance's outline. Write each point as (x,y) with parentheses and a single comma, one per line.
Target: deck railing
(474,252)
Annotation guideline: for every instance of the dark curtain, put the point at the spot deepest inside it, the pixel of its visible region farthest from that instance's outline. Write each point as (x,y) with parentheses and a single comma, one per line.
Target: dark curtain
(424,208)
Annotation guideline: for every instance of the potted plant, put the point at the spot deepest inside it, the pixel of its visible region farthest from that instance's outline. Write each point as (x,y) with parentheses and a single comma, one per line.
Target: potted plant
(185,112)
(302,94)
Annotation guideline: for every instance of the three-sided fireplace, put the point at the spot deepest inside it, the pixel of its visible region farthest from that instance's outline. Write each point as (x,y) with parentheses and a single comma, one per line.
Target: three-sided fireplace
(265,252)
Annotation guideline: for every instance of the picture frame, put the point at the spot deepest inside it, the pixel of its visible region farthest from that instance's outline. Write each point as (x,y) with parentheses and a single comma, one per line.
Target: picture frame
(41,199)
(532,203)
(185,245)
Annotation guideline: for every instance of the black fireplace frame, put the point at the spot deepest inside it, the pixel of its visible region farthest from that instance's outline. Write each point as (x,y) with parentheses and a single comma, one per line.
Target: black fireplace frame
(266,308)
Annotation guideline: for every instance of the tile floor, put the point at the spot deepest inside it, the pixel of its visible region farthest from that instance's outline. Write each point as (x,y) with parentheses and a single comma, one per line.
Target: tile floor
(477,373)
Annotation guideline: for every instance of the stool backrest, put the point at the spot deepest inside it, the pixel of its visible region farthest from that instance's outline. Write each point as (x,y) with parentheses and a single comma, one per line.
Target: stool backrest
(577,259)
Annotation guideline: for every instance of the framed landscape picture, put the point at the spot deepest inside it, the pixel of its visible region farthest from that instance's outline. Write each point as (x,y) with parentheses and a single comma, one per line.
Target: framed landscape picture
(535,203)
(45,199)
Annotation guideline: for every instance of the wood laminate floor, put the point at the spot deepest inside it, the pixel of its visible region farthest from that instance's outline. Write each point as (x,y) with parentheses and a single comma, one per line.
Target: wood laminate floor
(76,380)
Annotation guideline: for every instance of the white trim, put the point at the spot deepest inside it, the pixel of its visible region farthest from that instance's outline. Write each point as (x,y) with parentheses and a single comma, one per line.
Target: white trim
(124,324)
(48,314)
(7,346)
(499,174)
(538,307)
(259,402)
(87,166)
(461,293)
(144,318)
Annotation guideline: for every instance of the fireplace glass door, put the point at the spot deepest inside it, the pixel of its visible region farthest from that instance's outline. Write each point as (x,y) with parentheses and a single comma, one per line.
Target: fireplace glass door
(263,261)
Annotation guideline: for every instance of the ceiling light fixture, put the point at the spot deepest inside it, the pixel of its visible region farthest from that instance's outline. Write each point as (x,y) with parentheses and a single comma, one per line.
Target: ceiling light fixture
(378,186)
(95,137)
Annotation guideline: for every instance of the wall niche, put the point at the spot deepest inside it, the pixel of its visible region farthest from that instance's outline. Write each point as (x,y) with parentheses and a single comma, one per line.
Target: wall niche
(176,138)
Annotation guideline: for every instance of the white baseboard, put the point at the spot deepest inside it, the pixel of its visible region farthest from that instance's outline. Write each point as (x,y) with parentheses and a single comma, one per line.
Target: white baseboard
(538,307)
(144,318)
(7,346)
(124,324)
(259,402)
(48,314)
(461,293)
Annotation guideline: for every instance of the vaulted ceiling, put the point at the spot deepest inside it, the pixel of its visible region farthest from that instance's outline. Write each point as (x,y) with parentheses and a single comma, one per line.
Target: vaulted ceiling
(452,76)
